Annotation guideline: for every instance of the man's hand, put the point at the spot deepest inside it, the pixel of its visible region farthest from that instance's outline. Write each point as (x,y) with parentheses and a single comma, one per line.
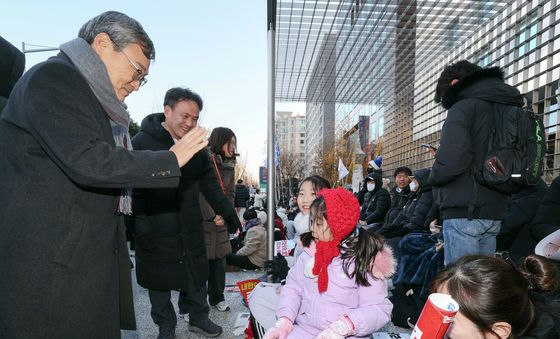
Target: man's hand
(218,220)
(189,145)
(362,223)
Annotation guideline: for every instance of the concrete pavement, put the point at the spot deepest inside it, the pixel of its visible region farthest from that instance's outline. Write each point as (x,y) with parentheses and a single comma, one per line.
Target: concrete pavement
(146,329)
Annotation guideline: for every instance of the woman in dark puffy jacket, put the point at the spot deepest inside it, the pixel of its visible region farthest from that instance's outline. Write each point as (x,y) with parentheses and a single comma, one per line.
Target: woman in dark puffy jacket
(378,203)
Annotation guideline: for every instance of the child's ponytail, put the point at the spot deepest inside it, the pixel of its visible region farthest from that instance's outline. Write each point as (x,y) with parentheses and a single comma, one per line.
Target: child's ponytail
(370,256)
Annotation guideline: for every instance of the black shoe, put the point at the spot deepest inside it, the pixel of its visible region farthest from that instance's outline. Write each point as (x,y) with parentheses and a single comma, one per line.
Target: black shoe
(166,333)
(205,327)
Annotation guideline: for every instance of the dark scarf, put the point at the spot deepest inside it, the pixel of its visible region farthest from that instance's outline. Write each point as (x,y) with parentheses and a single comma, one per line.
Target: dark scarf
(94,71)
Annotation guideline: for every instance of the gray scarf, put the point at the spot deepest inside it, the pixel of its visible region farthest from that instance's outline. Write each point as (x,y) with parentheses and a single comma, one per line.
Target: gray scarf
(94,71)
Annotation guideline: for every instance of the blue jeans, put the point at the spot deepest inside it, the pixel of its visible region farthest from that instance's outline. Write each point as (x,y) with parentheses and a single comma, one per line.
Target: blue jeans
(464,237)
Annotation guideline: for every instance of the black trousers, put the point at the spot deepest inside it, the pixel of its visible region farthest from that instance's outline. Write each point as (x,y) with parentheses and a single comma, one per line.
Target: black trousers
(240,261)
(191,300)
(216,280)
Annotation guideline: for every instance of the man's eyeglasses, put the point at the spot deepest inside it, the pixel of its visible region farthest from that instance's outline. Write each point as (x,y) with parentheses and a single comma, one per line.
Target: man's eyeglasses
(139,74)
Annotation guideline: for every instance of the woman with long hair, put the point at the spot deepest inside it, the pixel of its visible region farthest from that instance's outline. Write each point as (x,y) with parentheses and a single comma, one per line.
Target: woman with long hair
(222,146)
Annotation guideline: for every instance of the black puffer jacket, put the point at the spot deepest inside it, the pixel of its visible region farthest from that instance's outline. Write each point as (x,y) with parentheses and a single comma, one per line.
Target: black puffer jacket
(168,221)
(241,195)
(464,141)
(521,211)
(414,213)
(547,219)
(12,64)
(398,200)
(378,203)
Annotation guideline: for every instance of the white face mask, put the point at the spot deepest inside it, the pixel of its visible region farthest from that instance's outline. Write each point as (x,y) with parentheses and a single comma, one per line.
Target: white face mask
(412,186)
(370,187)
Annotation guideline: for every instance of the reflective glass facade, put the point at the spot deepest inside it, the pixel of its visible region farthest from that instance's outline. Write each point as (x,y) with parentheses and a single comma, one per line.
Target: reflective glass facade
(382,59)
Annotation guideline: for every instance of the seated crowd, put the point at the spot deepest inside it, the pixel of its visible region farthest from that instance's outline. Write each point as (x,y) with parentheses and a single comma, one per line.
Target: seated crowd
(412,226)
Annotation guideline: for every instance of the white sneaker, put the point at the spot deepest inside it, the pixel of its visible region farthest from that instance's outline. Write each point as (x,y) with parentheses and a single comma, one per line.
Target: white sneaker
(222,306)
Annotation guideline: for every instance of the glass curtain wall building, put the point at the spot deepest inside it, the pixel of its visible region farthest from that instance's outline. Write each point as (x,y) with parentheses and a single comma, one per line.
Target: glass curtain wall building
(380,60)
(524,40)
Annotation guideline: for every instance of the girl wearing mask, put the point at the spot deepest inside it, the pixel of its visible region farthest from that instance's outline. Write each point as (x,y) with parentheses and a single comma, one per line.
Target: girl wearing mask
(377,203)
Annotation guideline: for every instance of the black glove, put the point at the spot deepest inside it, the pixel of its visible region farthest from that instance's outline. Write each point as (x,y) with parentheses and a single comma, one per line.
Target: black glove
(233,223)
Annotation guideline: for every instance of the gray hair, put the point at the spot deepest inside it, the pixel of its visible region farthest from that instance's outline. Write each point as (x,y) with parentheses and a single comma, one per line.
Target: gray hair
(122,29)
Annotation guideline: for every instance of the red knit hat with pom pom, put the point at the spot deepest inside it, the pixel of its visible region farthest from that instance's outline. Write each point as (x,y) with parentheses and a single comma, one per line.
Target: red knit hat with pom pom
(343,213)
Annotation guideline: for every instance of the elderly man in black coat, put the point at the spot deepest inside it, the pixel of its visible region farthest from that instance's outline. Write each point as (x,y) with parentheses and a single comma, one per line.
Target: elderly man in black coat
(65,170)
(170,251)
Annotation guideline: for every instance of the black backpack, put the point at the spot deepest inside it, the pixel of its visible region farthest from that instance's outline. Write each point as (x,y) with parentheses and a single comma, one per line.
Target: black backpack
(516,149)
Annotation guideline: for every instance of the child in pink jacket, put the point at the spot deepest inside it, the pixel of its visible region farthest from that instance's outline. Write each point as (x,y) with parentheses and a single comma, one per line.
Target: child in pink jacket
(338,287)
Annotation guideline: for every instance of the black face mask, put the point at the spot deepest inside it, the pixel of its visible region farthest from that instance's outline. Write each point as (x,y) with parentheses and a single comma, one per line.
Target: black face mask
(369,170)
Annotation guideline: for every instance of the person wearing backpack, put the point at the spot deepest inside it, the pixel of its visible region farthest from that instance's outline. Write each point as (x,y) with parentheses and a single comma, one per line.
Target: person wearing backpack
(471,212)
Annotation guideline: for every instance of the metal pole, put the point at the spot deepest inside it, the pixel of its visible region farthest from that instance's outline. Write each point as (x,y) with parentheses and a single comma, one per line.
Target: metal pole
(271,206)
(35,50)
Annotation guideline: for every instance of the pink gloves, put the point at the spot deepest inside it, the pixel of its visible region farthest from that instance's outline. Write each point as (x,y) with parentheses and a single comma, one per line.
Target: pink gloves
(281,329)
(339,329)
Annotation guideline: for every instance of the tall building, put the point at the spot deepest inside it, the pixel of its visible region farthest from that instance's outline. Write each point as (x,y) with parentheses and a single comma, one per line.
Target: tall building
(290,134)
(386,58)
(320,107)
(524,40)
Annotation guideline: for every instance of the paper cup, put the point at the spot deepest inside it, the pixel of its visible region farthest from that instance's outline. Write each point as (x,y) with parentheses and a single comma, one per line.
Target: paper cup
(550,246)
(436,316)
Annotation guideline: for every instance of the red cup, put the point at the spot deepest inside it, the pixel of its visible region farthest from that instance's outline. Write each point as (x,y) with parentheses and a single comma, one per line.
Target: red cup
(436,316)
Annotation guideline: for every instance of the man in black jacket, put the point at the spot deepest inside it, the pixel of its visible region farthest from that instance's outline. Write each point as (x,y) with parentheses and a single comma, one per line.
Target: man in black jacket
(471,213)
(170,250)
(242,197)
(378,201)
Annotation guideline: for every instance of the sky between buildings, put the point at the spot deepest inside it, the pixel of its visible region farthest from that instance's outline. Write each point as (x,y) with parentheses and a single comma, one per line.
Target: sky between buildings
(217,48)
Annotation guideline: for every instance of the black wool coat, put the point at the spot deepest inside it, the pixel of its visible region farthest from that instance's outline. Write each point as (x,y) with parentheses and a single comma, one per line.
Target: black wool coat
(64,266)
(12,65)
(168,222)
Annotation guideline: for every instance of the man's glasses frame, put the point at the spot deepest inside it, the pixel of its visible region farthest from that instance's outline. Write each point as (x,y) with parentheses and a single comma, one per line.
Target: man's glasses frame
(139,74)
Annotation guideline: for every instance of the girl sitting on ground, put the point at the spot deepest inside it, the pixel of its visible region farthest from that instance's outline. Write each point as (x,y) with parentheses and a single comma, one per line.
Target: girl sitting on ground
(338,286)
(307,192)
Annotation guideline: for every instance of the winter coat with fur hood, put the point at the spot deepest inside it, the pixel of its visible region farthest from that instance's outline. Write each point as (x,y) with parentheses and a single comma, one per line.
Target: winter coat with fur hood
(367,307)
(464,141)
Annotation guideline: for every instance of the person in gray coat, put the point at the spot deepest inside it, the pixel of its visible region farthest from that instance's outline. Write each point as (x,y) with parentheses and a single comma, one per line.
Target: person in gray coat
(66,169)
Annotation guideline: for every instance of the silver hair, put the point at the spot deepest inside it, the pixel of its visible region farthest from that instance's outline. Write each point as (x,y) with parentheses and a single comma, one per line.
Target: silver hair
(122,29)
